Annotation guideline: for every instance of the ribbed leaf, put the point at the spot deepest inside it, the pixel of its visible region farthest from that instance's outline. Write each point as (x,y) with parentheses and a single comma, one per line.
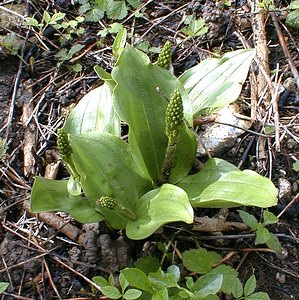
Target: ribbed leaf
(52,195)
(107,168)
(139,99)
(166,204)
(94,112)
(220,184)
(216,82)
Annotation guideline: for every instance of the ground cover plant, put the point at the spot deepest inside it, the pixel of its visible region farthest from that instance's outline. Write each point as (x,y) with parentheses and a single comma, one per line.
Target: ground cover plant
(143,184)
(148,281)
(139,123)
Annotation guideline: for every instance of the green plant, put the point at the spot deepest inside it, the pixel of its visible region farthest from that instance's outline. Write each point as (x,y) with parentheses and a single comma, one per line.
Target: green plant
(109,290)
(10,44)
(3,286)
(247,292)
(293,16)
(295,166)
(146,180)
(266,4)
(225,3)
(46,21)
(66,30)
(113,28)
(195,27)
(94,11)
(263,235)
(211,280)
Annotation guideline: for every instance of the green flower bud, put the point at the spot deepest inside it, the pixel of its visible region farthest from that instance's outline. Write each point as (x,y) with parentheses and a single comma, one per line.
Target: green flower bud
(63,144)
(164,59)
(174,114)
(106,201)
(109,202)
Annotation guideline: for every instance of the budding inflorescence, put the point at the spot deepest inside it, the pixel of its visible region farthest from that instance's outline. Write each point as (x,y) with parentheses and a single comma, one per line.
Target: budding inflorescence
(106,201)
(174,114)
(63,144)
(164,59)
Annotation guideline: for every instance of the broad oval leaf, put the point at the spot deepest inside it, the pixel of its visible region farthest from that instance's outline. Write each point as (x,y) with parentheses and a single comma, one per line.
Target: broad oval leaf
(166,204)
(139,99)
(137,279)
(52,195)
(94,112)
(250,285)
(107,168)
(229,277)
(160,279)
(3,286)
(111,292)
(132,294)
(216,82)
(220,184)
(208,284)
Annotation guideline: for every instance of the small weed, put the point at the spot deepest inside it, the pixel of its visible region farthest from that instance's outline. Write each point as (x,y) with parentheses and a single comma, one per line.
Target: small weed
(195,27)
(215,279)
(248,291)
(94,11)
(10,44)
(293,16)
(3,286)
(263,235)
(266,4)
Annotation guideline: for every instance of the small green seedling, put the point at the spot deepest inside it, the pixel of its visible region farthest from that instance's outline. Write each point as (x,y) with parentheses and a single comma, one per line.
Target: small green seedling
(293,16)
(3,286)
(296,166)
(248,291)
(10,44)
(46,20)
(263,235)
(109,290)
(195,27)
(212,281)
(94,11)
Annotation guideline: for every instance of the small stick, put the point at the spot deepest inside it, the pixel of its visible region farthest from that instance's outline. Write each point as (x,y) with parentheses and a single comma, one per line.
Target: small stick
(14,94)
(50,218)
(296,198)
(29,134)
(286,52)
(51,279)
(275,99)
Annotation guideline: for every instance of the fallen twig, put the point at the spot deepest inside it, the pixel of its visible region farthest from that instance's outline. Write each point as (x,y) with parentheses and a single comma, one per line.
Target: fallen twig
(50,218)
(285,49)
(16,83)
(206,224)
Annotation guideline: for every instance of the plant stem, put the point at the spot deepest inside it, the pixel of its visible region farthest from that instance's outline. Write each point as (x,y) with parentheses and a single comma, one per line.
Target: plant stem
(168,160)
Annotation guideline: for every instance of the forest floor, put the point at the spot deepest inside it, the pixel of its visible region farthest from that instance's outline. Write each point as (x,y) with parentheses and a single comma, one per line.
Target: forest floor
(43,256)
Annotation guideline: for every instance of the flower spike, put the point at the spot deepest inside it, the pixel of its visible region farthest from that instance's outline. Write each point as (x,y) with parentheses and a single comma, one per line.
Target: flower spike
(164,59)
